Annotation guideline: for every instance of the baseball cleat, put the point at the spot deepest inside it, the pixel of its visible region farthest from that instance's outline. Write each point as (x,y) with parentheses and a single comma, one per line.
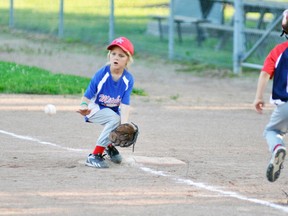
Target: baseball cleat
(96,161)
(276,164)
(114,154)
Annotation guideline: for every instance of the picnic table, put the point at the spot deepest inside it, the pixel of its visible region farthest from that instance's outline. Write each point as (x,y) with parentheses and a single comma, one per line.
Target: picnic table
(185,12)
(211,17)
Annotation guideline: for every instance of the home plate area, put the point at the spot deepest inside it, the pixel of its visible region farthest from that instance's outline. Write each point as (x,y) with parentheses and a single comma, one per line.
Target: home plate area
(165,161)
(153,160)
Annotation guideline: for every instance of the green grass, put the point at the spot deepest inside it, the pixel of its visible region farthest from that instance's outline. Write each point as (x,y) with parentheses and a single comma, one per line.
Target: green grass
(17,79)
(88,21)
(21,79)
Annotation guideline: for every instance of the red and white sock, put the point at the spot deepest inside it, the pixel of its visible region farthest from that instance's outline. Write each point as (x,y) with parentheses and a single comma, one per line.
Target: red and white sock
(278,145)
(98,150)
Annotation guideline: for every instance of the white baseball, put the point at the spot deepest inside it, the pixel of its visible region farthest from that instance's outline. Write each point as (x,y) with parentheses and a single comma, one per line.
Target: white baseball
(50,109)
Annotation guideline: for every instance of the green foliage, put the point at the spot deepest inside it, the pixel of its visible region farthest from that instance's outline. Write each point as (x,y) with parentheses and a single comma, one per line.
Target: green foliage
(138,91)
(17,78)
(88,21)
(20,79)
(174,97)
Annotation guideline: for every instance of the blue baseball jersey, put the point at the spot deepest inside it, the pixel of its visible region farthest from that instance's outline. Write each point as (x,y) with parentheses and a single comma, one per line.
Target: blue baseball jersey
(104,92)
(276,64)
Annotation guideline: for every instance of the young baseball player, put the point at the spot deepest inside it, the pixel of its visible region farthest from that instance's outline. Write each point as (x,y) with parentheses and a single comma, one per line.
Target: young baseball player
(276,67)
(107,98)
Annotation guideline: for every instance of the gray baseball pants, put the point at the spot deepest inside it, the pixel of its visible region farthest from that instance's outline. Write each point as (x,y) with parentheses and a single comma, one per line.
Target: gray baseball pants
(277,126)
(110,120)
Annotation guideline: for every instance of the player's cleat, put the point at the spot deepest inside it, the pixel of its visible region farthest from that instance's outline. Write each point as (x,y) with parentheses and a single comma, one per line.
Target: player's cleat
(276,164)
(114,154)
(96,161)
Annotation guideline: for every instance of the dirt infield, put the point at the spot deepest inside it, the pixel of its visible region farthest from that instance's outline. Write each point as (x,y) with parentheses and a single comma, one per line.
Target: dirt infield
(200,150)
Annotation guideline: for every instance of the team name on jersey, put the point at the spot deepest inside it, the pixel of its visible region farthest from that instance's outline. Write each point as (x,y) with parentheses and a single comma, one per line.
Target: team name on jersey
(109,101)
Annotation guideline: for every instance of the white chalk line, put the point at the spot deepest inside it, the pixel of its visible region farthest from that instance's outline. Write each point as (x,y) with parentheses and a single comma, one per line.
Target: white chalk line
(216,190)
(39,141)
(162,173)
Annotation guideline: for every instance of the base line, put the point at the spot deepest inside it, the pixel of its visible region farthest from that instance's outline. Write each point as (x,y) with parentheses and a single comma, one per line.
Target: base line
(162,173)
(39,141)
(214,189)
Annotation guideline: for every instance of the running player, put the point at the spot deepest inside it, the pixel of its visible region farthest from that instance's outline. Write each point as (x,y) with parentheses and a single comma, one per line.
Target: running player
(276,67)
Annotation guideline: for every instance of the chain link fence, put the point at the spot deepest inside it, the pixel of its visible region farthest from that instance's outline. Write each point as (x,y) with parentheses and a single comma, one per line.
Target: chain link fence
(203,30)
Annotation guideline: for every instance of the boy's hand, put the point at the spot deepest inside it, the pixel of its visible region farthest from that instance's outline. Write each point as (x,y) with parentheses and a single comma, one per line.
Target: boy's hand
(84,112)
(258,105)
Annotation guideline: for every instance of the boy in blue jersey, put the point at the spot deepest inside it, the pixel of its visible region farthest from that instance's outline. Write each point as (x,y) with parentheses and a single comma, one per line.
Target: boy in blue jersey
(108,91)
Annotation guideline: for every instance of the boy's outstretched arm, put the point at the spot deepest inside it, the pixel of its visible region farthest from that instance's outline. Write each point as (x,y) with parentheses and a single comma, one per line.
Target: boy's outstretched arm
(261,86)
(125,111)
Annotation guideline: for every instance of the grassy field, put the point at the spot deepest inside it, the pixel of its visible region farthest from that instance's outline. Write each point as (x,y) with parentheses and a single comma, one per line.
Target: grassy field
(32,80)
(88,21)
(21,79)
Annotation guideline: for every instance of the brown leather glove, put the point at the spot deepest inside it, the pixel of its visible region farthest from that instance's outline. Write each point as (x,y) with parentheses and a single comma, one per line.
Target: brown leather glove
(124,135)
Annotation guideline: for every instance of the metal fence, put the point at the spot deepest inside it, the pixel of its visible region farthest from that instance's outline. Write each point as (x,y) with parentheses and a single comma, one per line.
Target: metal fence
(224,33)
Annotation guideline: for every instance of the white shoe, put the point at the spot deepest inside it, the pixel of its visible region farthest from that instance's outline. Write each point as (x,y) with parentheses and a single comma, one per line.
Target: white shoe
(96,161)
(276,164)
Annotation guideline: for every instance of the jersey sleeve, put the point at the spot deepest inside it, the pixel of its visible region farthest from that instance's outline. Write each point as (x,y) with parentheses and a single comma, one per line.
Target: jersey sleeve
(92,87)
(126,96)
(273,57)
(269,63)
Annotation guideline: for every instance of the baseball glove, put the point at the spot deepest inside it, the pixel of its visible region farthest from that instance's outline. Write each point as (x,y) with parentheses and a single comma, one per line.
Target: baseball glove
(124,135)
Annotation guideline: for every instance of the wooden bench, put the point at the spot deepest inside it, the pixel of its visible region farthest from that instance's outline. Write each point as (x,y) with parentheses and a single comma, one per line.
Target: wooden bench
(179,20)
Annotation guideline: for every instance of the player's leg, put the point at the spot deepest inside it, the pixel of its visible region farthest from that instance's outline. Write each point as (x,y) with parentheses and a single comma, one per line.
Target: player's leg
(113,154)
(274,132)
(110,120)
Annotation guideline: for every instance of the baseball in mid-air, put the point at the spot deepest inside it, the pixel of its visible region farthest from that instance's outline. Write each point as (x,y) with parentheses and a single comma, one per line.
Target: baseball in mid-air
(50,109)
